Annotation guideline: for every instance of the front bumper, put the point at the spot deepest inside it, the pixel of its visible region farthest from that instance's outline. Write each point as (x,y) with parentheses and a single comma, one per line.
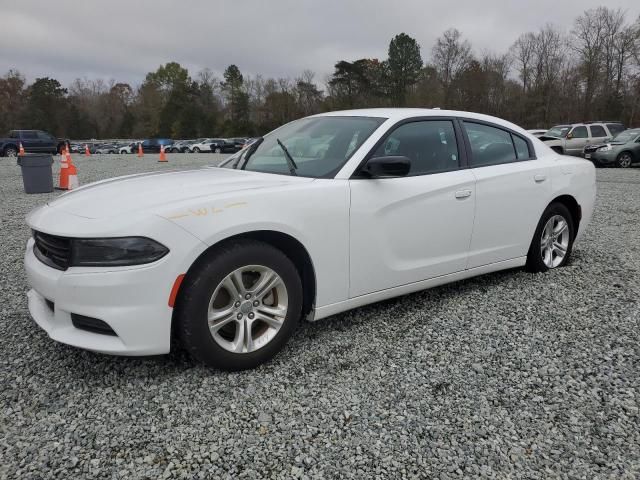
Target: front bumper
(602,158)
(133,301)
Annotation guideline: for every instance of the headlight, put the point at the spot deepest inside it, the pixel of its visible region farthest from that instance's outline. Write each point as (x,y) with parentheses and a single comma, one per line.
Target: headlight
(606,148)
(115,252)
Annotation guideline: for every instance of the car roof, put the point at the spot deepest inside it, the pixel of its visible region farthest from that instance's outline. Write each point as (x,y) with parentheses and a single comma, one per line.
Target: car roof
(398,114)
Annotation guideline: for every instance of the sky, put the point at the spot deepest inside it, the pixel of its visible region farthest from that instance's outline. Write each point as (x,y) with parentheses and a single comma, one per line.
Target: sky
(123,40)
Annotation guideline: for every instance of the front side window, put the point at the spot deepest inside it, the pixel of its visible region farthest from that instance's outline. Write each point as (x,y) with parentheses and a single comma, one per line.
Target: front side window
(490,145)
(29,135)
(579,132)
(319,146)
(597,131)
(430,145)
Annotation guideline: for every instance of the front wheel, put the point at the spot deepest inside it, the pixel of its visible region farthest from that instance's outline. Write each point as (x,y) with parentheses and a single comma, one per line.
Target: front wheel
(624,160)
(218,150)
(196,150)
(552,241)
(239,306)
(10,152)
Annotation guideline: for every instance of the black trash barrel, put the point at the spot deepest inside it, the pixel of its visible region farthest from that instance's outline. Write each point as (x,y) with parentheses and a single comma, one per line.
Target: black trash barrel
(37,175)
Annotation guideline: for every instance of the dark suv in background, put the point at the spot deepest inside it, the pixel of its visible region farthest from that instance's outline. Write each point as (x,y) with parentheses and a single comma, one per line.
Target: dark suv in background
(33,141)
(152,145)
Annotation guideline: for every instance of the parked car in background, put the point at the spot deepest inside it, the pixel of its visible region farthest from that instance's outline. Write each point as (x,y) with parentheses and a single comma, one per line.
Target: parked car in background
(623,151)
(33,141)
(232,259)
(182,146)
(201,145)
(106,148)
(572,139)
(128,148)
(153,145)
(222,145)
(240,142)
(537,132)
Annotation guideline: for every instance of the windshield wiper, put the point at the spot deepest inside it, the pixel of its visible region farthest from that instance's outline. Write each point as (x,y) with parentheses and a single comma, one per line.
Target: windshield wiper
(250,151)
(292,164)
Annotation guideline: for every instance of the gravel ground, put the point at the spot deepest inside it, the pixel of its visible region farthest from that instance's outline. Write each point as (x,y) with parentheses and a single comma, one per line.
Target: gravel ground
(507,375)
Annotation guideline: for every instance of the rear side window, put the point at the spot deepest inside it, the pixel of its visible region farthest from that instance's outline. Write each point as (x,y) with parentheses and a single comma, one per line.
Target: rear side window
(579,132)
(490,145)
(615,128)
(522,148)
(429,144)
(44,136)
(597,131)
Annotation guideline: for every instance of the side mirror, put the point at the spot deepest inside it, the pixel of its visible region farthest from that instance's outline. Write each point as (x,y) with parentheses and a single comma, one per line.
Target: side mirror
(569,136)
(387,167)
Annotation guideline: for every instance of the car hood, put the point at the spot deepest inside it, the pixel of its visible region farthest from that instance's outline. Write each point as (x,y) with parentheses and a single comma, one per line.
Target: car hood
(134,193)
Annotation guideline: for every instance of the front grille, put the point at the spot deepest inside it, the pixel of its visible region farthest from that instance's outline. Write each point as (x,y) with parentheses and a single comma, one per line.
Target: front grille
(592,148)
(52,250)
(90,324)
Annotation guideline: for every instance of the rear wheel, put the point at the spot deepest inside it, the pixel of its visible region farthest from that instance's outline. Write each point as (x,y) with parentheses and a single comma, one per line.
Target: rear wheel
(624,160)
(552,241)
(239,306)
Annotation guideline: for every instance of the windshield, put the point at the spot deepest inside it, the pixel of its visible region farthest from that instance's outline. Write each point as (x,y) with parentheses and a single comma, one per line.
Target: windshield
(560,131)
(625,137)
(319,146)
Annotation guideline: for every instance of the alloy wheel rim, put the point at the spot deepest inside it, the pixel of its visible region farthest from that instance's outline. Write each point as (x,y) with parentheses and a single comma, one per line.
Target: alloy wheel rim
(625,160)
(11,153)
(554,241)
(247,309)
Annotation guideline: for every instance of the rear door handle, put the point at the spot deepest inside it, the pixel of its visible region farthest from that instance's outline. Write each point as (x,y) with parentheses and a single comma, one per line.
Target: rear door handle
(540,178)
(463,193)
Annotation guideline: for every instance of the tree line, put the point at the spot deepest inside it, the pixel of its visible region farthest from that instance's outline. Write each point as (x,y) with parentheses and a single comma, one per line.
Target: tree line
(591,72)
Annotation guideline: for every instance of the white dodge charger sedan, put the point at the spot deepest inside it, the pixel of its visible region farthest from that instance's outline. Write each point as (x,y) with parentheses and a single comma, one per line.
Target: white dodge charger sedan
(322,215)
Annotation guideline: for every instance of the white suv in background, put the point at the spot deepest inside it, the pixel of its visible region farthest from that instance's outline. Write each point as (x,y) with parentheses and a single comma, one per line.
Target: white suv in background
(572,138)
(202,145)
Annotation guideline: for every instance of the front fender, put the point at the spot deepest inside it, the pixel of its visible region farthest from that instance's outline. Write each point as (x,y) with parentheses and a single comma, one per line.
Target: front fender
(314,213)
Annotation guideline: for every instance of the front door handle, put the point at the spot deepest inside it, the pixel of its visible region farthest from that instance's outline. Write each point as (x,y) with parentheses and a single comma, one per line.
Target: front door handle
(463,193)
(540,178)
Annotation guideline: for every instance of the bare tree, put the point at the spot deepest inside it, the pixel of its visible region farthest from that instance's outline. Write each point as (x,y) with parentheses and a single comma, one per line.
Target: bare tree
(451,55)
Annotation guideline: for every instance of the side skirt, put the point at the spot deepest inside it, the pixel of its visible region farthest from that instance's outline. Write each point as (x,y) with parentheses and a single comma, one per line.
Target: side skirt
(332,309)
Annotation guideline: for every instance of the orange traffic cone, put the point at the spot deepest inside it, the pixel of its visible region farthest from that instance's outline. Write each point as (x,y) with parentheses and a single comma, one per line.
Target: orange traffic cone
(87,153)
(21,150)
(163,156)
(140,152)
(72,177)
(63,182)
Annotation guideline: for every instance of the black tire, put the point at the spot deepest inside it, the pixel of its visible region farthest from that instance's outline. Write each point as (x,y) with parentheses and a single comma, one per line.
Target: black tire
(198,287)
(534,256)
(196,150)
(624,160)
(10,151)
(218,150)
